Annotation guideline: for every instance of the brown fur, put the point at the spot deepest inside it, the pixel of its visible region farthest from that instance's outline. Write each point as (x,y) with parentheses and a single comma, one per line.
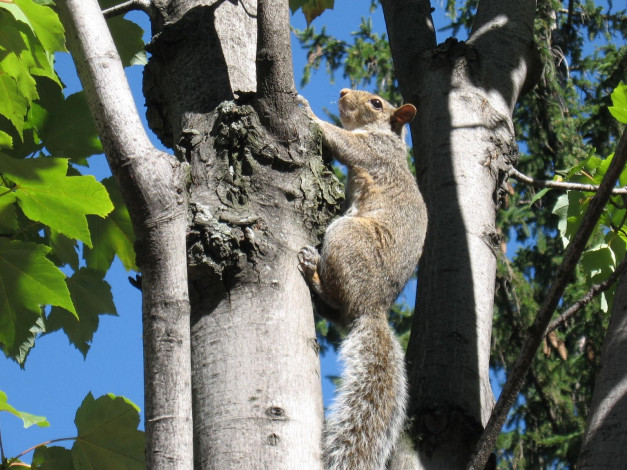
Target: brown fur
(366,258)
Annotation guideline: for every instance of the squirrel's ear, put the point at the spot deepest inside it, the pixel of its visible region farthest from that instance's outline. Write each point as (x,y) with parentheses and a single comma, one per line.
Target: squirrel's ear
(402,116)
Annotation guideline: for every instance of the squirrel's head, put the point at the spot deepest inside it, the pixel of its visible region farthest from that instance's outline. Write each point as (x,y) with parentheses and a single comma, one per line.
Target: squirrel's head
(364,110)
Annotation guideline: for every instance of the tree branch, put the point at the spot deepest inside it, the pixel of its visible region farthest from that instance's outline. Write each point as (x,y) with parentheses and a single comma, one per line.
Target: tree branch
(275,77)
(565,185)
(537,330)
(518,327)
(153,185)
(595,290)
(129,5)
(411,31)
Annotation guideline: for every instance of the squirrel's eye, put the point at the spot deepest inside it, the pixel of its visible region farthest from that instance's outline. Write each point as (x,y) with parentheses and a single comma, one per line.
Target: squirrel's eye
(376,103)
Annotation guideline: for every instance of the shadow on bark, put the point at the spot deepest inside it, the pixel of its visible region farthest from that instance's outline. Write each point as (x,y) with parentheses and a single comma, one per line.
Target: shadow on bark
(169,91)
(463,148)
(434,411)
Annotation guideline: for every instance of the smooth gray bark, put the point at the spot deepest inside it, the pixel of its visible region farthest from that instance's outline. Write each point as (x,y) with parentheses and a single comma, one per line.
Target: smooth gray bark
(463,145)
(152,183)
(256,196)
(605,441)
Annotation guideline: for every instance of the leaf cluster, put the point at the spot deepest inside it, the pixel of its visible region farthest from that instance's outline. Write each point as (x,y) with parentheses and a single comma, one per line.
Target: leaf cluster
(366,61)
(59,229)
(106,437)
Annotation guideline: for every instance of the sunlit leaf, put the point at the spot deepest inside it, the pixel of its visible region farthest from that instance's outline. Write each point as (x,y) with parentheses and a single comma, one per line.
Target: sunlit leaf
(619,101)
(45,23)
(27,280)
(27,418)
(8,217)
(45,194)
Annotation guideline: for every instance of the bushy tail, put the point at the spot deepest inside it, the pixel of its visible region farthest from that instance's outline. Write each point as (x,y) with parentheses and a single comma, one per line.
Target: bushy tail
(368,413)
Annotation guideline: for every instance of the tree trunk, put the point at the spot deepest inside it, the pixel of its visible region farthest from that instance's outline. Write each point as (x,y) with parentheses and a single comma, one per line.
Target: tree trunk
(256,196)
(604,441)
(153,185)
(218,228)
(463,144)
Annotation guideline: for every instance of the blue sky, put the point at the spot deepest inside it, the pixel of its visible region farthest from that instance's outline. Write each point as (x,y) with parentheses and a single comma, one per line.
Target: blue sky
(57,378)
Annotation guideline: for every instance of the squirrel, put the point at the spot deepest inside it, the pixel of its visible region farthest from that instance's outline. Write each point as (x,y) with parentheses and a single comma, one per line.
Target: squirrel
(367,256)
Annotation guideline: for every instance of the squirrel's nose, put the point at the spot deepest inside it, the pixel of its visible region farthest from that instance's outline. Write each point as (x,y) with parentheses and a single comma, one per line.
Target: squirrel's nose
(344,91)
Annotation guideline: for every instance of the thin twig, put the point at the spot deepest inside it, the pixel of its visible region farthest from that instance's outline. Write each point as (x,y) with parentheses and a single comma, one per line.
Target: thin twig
(514,315)
(1,448)
(536,332)
(52,441)
(592,188)
(129,5)
(595,290)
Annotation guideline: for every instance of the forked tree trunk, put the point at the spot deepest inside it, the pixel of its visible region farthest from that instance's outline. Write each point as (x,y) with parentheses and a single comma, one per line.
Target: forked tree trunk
(224,217)
(256,196)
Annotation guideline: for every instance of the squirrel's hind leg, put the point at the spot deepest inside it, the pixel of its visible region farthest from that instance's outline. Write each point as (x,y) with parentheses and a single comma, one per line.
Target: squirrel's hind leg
(308,262)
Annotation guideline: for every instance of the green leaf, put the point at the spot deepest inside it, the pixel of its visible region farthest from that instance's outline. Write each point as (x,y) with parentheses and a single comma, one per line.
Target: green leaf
(8,216)
(6,141)
(10,36)
(15,67)
(13,104)
(598,262)
(28,280)
(539,195)
(27,418)
(28,328)
(311,8)
(17,13)
(619,101)
(107,435)
(69,130)
(111,236)
(128,38)
(92,297)
(296,4)
(63,250)
(45,23)
(52,458)
(47,195)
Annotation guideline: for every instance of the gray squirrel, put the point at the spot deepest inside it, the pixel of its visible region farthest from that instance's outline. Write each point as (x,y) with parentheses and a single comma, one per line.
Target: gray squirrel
(367,256)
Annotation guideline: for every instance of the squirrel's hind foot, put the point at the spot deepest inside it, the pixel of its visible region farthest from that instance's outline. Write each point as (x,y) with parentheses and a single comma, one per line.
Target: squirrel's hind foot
(308,259)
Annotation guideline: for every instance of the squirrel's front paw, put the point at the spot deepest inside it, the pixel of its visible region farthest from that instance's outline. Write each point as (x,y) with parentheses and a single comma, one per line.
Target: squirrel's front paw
(308,258)
(305,104)
(302,101)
